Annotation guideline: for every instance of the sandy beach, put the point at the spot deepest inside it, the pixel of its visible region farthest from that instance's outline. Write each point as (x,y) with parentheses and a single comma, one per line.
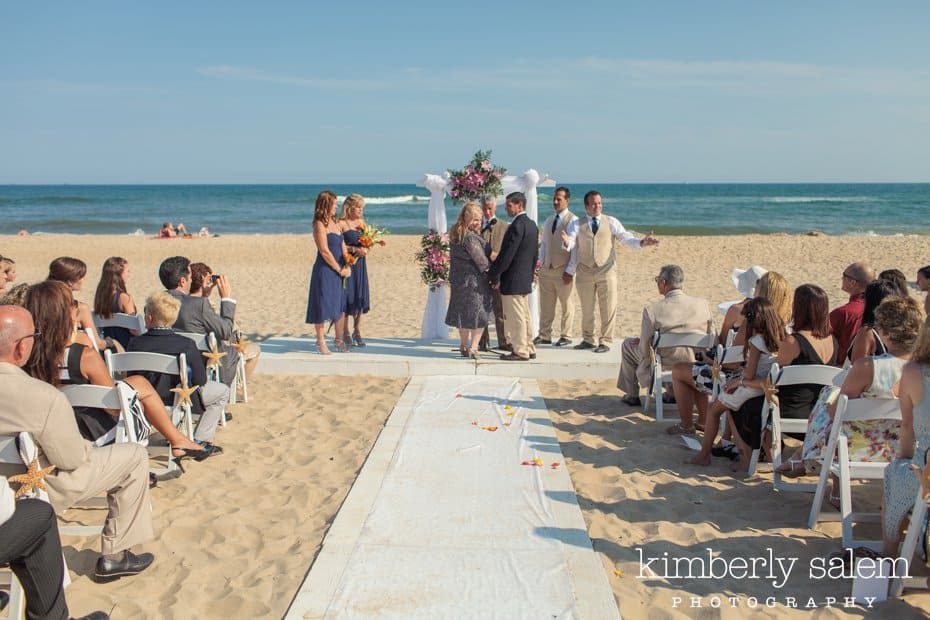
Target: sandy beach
(236,534)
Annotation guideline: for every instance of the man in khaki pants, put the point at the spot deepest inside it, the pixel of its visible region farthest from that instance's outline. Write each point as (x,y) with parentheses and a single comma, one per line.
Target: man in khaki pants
(553,259)
(590,240)
(512,272)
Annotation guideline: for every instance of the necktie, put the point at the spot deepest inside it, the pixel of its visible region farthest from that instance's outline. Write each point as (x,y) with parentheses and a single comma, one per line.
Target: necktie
(555,223)
(594,225)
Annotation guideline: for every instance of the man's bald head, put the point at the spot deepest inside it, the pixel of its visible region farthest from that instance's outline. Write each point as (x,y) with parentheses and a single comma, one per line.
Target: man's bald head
(856,277)
(16,331)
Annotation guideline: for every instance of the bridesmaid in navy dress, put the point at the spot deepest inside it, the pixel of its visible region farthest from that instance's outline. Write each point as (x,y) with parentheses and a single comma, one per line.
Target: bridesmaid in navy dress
(358,301)
(327,286)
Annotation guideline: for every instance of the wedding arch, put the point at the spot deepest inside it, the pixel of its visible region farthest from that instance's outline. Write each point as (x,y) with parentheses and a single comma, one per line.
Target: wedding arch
(434,316)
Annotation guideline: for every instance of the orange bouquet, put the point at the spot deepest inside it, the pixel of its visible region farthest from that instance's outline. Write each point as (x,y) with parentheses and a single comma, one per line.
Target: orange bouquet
(370,235)
(348,260)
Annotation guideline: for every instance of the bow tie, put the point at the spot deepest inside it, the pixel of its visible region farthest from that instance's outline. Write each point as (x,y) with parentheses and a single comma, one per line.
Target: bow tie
(490,223)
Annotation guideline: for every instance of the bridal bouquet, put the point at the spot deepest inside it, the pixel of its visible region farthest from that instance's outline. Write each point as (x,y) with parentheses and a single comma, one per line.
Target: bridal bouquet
(478,179)
(348,260)
(433,259)
(370,235)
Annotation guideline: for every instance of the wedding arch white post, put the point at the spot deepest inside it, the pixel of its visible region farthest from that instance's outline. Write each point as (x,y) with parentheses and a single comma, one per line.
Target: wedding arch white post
(439,185)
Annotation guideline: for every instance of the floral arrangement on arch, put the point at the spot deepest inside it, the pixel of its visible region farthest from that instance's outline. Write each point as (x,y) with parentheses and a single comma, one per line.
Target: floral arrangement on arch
(478,179)
(433,259)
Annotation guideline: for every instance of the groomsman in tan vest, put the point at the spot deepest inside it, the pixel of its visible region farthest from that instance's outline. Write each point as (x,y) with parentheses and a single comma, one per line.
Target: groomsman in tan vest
(590,240)
(553,259)
(492,231)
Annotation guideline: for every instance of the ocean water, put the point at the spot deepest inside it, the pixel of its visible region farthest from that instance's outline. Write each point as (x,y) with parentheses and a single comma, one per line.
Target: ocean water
(666,209)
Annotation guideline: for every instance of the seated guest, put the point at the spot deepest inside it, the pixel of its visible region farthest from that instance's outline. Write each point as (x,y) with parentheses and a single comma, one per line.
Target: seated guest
(866,342)
(693,383)
(898,281)
(31,548)
(845,320)
(901,481)
(923,284)
(897,320)
(746,282)
(7,272)
(203,283)
(111,298)
(161,311)
(197,315)
(82,470)
(810,342)
(675,312)
(72,272)
(765,333)
(15,296)
(60,359)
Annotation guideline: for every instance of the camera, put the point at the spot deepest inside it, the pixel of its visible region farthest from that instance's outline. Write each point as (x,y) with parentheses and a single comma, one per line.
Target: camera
(215,277)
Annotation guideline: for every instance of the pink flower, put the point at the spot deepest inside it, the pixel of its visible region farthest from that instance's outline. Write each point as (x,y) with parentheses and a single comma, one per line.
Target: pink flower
(485,165)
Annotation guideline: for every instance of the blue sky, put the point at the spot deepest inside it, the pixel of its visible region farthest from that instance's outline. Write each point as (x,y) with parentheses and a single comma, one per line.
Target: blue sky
(321,92)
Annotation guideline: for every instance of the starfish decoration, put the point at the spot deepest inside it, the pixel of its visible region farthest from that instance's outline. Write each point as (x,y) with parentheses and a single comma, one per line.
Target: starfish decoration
(715,370)
(213,357)
(241,346)
(32,479)
(184,392)
(771,392)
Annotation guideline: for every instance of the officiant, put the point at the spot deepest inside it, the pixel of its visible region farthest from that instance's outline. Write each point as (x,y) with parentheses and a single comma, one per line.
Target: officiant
(492,230)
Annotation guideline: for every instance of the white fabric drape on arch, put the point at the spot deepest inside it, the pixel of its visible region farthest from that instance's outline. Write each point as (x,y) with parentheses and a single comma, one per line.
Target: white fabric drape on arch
(434,317)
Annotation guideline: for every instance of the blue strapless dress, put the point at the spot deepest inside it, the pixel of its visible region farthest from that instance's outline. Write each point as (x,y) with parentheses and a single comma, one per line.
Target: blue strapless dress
(357,297)
(327,295)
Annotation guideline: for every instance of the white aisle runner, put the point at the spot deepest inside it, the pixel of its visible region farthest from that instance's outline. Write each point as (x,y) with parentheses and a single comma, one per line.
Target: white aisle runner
(464,509)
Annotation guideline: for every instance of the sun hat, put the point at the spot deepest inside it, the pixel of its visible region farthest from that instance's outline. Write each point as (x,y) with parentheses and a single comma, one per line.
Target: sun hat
(745,279)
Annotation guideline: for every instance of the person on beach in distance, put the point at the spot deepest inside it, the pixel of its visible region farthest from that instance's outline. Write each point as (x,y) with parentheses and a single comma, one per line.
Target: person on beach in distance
(675,312)
(492,231)
(111,297)
(72,272)
(845,320)
(512,272)
(82,470)
(469,291)
(327,300)
(358,300)
(553,259)
(593,257)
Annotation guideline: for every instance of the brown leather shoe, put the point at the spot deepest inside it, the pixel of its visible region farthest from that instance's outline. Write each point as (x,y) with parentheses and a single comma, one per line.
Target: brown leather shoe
(513,357)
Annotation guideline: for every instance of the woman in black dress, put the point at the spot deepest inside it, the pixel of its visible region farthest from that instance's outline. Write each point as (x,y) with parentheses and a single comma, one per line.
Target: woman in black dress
(470,297)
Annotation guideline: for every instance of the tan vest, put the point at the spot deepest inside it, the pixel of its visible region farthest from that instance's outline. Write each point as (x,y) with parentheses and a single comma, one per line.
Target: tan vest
(556,257)
(494,235)
(595,252)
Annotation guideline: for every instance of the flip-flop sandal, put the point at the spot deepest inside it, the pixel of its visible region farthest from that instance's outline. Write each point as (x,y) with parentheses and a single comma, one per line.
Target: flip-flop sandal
(678,429)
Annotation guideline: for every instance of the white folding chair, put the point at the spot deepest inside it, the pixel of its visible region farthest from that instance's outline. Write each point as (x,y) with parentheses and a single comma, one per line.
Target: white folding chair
(16,608)
(125,430)
(693,340)
(208,342)
(134,322)
(782,376)
(918,516)
(732,354)
(137,361)
(836,461)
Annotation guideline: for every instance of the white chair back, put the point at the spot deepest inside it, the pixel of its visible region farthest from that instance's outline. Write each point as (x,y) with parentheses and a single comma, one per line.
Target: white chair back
(134,322)
(695,340)
(129,429)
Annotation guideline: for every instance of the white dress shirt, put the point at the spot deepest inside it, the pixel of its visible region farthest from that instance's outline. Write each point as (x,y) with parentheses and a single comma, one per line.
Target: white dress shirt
(617,231)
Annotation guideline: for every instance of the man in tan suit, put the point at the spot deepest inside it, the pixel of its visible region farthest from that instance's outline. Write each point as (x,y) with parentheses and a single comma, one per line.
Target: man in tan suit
(675,312)
(590,240)
(82,471)
(492,231)
(553,259)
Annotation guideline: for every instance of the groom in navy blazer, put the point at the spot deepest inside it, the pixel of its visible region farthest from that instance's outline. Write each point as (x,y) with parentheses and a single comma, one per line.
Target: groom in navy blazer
(512,271)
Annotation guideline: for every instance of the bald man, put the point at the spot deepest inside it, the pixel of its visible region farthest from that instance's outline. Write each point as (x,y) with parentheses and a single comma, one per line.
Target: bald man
(82,470)
(846,319)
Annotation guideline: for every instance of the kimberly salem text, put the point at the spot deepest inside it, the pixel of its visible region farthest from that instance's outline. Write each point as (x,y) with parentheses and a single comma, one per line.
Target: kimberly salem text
(768,565)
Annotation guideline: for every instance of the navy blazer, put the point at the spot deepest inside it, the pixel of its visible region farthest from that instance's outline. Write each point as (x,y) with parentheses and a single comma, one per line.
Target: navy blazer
(165,341)
(515,264)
